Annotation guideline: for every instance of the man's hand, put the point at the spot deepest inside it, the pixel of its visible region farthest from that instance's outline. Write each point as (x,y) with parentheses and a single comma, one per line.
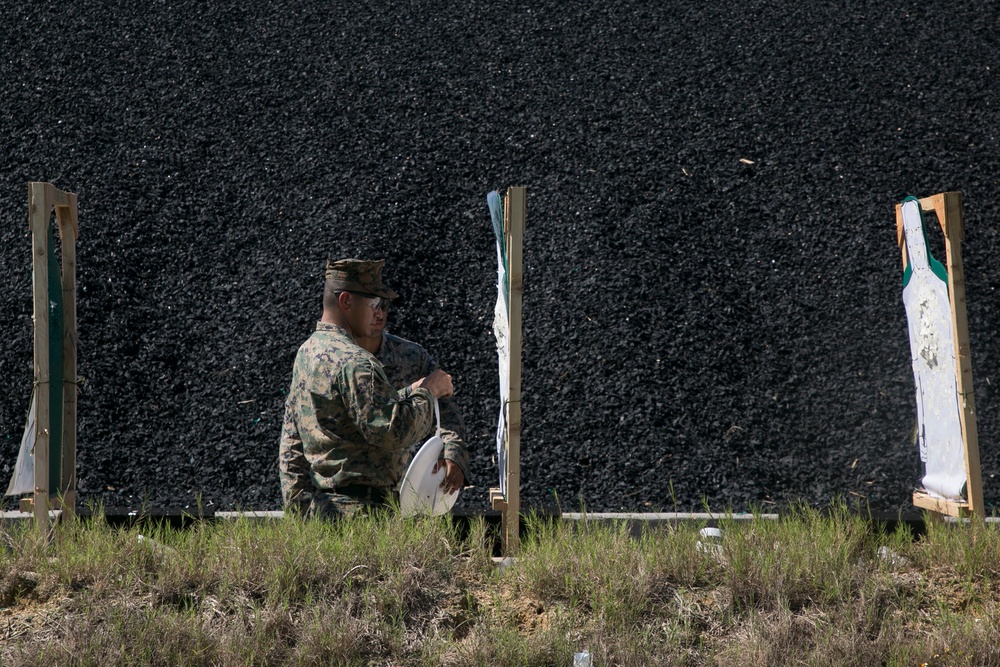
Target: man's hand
(453,477)
(438,383)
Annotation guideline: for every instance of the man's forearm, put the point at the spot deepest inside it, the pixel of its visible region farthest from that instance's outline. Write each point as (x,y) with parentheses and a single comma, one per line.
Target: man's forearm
(453,435)
(455,451)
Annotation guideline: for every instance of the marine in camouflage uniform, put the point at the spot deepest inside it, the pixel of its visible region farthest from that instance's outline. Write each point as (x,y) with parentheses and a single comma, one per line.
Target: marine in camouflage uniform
(346,428)
(404,362)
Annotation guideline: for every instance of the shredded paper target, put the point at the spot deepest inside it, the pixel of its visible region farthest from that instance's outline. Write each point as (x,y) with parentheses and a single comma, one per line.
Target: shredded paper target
(932,354)
(501,330)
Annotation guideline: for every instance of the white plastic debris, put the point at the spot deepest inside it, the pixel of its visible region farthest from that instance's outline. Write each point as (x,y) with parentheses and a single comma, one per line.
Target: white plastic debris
(711,542)
(712,533)
(160,550)
(582,659)
(507,563)
(888,555)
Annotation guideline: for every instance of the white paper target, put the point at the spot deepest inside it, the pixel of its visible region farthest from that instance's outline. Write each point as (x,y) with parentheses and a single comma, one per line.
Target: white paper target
(932,355)
(23,479)
(501,331)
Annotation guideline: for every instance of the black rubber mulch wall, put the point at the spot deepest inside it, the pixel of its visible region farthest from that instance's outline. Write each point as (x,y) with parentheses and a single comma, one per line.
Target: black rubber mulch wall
(712,306)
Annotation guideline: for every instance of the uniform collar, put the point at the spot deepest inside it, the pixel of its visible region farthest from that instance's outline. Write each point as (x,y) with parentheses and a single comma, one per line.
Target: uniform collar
(388,348)
(333,328)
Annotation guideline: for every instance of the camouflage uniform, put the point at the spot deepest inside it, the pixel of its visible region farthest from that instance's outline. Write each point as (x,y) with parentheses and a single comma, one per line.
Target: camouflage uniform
(345,426)
(405,362)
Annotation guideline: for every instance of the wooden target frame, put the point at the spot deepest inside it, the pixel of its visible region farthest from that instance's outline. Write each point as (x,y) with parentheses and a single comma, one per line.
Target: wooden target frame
(510,506)
(61,472)
(947,206)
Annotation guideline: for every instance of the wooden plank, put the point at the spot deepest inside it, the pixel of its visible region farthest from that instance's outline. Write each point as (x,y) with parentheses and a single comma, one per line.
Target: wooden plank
(27,505)
(515,210)
(57,197)
(39,209)
(496,499)
(68,231)
(951,217)
(935,203)
(939,505)
(71,212)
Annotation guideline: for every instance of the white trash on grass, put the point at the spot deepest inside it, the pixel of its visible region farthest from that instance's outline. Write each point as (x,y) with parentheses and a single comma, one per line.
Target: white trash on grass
(711,542)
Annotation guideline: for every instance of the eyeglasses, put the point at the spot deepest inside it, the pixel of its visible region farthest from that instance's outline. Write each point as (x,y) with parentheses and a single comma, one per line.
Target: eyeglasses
(374,302)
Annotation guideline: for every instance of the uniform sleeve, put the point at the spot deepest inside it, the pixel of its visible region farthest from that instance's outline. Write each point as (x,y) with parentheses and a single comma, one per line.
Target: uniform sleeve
(386,419)
(293,466)
(452,433)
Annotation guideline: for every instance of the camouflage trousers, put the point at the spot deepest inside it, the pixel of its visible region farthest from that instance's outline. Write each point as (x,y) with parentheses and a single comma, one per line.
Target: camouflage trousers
(327,505)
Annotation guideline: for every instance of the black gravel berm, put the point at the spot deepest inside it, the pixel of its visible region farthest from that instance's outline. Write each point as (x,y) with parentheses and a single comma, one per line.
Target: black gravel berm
(712,306)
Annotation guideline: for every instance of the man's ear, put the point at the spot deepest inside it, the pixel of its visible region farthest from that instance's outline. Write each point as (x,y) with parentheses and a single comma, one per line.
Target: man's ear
(344,301)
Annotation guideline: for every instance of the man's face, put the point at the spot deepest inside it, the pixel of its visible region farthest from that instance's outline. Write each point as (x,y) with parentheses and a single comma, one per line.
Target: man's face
(360,315)
(379,315)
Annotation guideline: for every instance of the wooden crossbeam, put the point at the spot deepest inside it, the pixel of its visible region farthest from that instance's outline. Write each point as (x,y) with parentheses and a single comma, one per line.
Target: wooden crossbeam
(497,501)
(943,506)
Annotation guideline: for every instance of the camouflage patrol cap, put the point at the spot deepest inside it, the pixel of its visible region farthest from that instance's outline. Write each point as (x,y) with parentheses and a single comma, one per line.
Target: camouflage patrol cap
(358,275)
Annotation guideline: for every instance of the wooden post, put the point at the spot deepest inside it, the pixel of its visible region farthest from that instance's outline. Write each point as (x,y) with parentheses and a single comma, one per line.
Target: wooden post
(39,209)
(68,233)
(947,207)
(514,211)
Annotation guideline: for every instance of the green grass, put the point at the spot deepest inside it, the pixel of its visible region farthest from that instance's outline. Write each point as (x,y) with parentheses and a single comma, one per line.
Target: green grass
(808,589)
